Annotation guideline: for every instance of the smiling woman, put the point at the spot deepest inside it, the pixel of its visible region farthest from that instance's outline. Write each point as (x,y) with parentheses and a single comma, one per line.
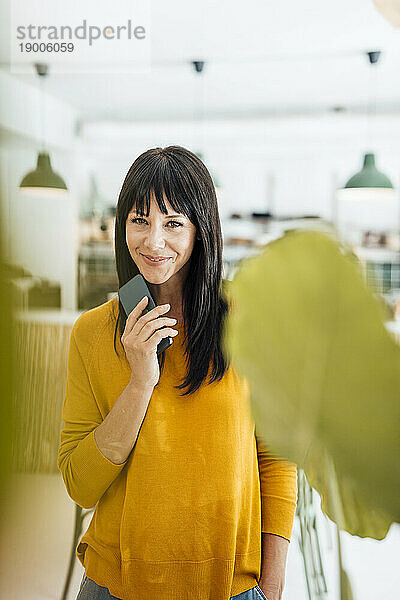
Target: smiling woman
(182,487)
(167,209)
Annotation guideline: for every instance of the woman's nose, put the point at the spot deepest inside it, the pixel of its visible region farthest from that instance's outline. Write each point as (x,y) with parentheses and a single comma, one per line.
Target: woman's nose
(155,237)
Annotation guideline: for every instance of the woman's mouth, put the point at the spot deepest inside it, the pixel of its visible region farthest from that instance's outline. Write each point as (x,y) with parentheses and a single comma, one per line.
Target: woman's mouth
(154,261)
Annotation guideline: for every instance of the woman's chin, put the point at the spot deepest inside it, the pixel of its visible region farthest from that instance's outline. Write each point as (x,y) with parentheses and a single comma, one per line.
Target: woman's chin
(155,278)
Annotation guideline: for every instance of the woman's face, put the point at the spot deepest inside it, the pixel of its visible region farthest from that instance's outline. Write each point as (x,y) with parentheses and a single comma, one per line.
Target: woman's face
(169,236)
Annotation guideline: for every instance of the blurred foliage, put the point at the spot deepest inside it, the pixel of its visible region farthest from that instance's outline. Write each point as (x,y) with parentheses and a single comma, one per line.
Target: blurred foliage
(6,370)
(324,374)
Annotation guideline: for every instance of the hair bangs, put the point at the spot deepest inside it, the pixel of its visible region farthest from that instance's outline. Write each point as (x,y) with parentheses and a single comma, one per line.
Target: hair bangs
(165,185)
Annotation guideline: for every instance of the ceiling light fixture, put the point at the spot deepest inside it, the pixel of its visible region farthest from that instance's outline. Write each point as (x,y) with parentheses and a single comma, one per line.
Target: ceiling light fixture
(368,182)
(43,179)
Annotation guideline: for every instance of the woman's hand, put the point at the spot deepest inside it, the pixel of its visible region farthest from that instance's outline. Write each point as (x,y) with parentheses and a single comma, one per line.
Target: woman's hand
(273,565)
(269,593)
(140,339)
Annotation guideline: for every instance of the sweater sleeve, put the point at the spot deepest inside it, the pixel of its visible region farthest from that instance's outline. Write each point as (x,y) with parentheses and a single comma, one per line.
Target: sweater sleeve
(278,484)
(86,472)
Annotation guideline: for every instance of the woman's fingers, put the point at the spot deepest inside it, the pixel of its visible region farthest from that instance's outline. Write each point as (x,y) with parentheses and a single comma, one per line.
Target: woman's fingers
(135,314)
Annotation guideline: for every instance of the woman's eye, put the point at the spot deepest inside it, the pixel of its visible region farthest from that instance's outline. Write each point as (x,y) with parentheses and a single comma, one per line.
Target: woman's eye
(137,219)
(176,223)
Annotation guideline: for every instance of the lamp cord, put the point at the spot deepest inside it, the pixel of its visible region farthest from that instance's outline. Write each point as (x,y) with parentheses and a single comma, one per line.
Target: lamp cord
(43,112)
(372,109)
(41,70)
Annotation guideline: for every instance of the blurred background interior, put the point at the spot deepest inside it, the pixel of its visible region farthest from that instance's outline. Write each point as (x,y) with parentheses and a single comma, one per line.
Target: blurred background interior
(285,102)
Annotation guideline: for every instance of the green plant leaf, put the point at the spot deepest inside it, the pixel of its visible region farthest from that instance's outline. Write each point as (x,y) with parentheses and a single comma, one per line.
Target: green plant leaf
(324,373)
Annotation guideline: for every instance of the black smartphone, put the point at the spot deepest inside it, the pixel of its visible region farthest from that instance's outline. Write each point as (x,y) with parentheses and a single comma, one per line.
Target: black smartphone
(130,295)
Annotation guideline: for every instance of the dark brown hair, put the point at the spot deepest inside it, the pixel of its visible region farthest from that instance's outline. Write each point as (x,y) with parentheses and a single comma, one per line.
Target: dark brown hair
(187,184)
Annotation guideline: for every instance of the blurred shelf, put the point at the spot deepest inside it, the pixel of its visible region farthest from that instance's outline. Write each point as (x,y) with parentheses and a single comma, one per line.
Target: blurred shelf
(378,255)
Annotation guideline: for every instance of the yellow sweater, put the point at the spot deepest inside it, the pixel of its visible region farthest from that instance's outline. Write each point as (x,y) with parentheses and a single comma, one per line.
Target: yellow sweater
(182,517)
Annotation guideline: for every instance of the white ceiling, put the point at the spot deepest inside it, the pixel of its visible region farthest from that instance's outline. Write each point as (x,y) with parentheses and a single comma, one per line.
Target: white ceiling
(262,57)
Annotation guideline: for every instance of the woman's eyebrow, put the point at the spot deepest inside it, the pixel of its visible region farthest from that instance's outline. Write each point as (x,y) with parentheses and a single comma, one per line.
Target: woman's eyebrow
(133,212)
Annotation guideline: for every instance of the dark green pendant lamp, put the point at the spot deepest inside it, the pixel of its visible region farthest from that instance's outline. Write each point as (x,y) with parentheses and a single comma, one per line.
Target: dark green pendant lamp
(369,176)
(368,181)
(43,179)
